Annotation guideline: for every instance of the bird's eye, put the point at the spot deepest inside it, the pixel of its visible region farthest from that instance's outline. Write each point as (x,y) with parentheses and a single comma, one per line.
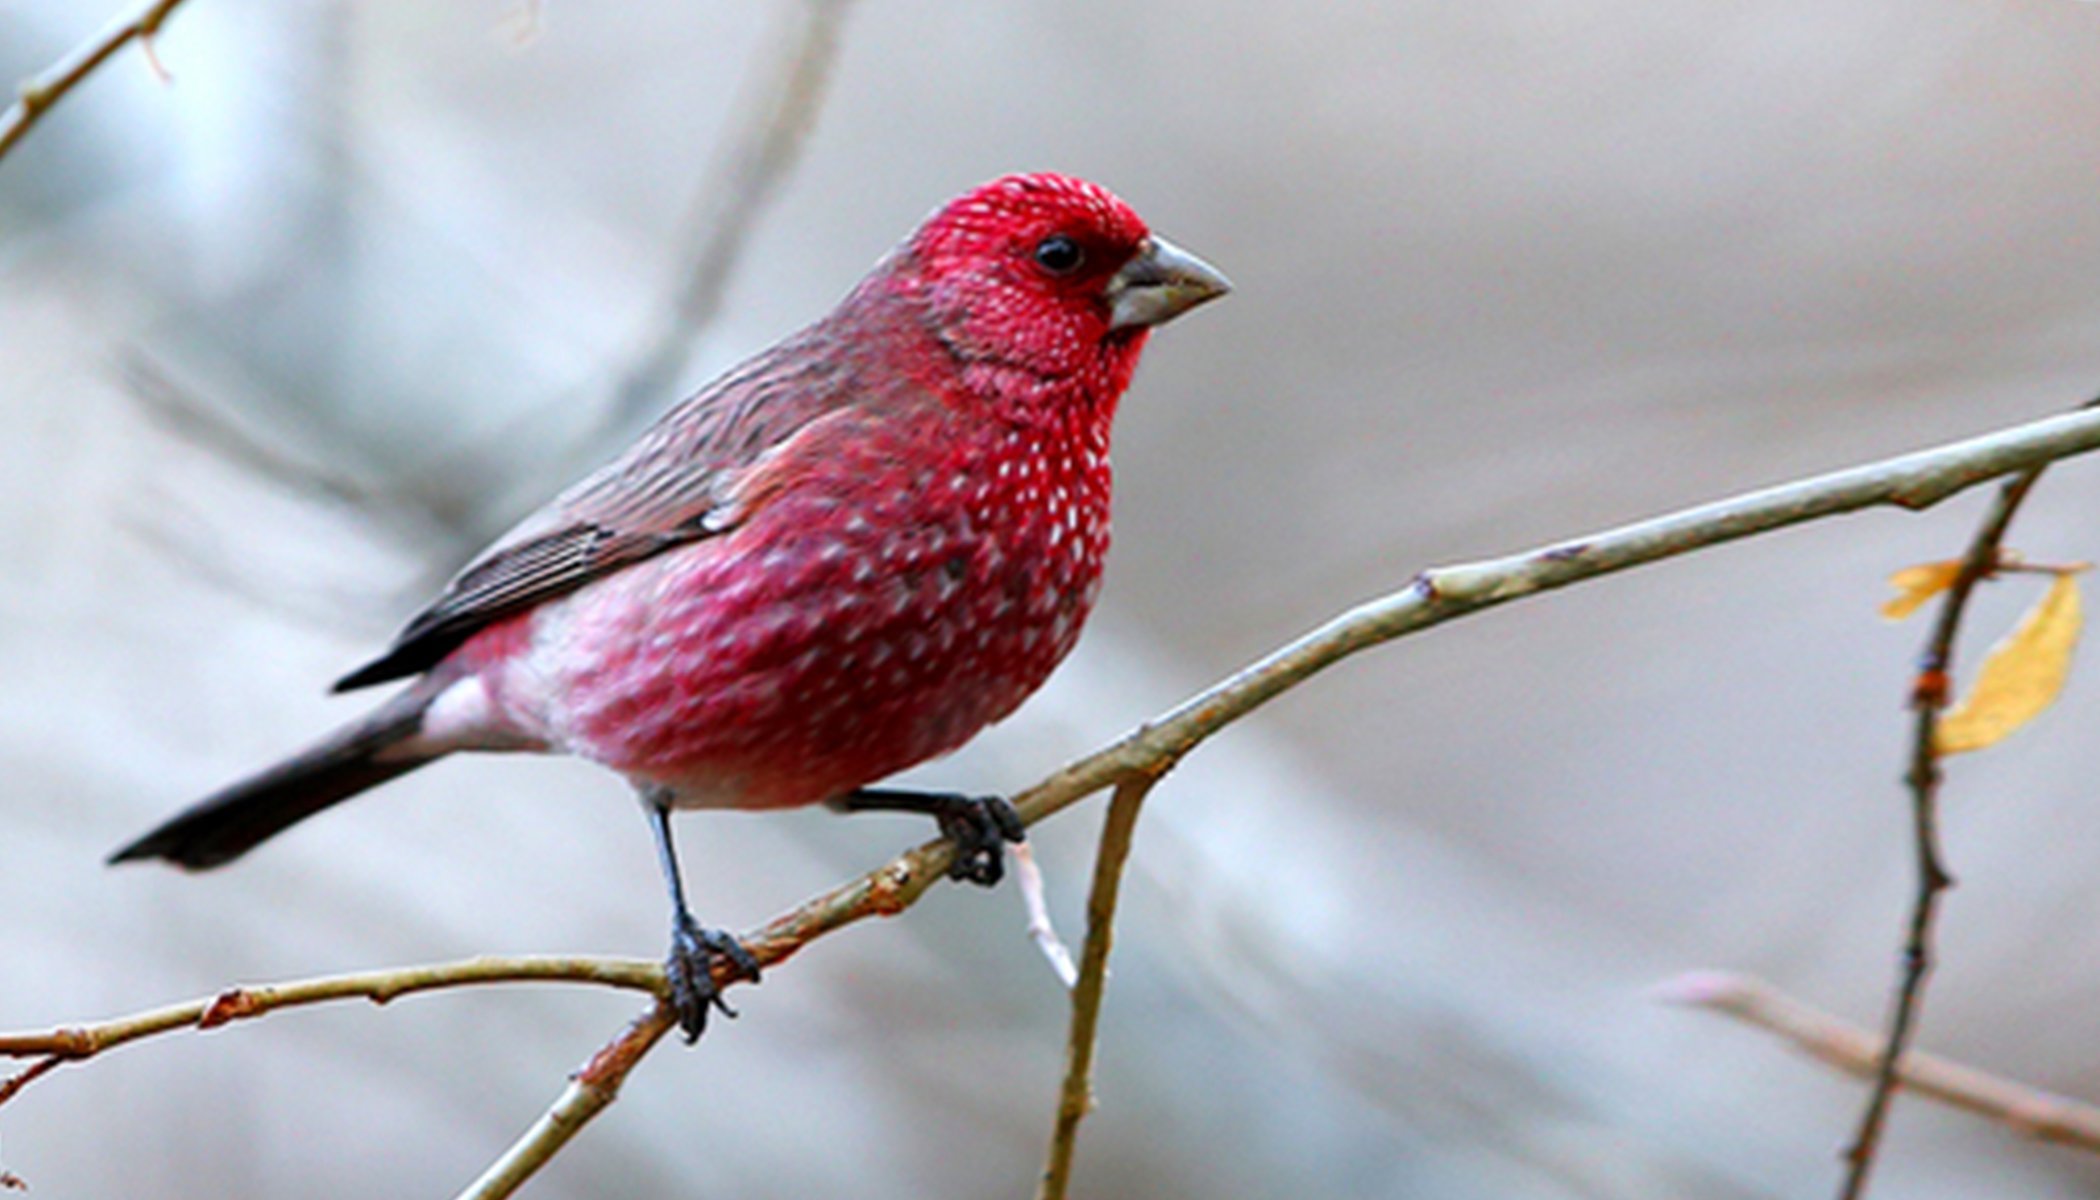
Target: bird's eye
(1059,254)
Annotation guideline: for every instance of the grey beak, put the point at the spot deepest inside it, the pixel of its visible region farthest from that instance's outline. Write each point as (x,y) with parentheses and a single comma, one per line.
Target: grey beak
(1160,283)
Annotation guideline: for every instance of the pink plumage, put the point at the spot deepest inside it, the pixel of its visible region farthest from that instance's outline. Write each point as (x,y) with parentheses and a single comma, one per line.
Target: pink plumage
(842,558)
(889,606)
(910,571)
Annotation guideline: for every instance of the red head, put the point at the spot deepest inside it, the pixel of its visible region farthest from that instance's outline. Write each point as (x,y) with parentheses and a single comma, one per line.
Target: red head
(1051,276)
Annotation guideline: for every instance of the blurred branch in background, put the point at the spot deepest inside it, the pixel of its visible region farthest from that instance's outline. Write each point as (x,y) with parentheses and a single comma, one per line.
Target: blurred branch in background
(182,412)
(186,408)
(785,95)
(762,143)
(35,97)
(1137,760)
(1856,1051)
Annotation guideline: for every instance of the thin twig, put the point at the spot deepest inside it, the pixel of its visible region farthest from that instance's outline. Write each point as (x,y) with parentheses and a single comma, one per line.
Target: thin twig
(74,1043)
(28,1075)
(763,146)
(779,111)
(1041,929)
(590,1090)
(1076,1096)
(1856,1051)
(782,99)
(34,97)
(189,416)
(1929,696)
(1911,481)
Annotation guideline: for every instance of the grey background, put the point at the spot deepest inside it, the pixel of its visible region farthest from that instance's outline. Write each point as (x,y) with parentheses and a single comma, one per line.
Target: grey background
(1507,271)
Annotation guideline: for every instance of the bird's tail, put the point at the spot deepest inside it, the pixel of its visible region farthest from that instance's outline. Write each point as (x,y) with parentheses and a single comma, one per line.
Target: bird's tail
(233,820)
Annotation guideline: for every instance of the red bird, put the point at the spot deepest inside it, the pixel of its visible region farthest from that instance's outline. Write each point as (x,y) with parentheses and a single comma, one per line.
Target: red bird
(844,557)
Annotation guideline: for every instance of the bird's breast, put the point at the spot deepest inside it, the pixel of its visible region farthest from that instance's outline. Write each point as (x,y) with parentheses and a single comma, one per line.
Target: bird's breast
(863,620)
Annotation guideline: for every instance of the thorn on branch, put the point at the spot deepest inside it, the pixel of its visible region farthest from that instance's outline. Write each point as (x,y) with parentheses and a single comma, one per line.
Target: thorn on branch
(151,54)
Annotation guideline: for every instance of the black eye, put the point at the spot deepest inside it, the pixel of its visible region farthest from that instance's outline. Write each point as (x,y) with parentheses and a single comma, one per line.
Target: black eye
(1059,254)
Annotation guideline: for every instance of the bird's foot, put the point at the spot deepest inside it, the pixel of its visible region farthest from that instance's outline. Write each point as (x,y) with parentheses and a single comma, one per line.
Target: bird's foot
(690,970)
(980,827)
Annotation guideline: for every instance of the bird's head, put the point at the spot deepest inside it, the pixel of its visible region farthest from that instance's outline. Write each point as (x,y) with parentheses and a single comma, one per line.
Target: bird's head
(1052,276)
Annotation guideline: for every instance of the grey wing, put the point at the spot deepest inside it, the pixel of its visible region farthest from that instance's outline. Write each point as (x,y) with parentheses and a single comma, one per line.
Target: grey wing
(676,485)
(508,581)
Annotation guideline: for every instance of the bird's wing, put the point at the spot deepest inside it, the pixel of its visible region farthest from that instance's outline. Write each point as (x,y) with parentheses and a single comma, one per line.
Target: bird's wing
(679,483)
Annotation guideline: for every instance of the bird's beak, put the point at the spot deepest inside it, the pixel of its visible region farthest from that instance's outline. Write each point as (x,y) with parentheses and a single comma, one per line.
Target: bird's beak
(1160,283)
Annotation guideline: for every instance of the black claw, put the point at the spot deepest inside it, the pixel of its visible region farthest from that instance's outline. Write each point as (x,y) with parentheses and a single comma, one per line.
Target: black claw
(1011,827)
(690,968)
(980,827)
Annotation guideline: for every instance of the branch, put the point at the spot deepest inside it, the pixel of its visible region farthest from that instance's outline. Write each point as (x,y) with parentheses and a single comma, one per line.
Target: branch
(1858,1052)
(55,1047)
(1076,1097)
(178,409)
(780,112)
(765,141)
(1912,481)
(590,1090)
(35,96)
(1929,698)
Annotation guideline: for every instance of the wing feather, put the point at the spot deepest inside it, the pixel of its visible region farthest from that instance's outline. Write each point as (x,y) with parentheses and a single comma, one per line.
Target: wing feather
(676,485)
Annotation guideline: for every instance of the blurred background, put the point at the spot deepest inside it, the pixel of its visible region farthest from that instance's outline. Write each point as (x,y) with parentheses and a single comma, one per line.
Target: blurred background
(282,341)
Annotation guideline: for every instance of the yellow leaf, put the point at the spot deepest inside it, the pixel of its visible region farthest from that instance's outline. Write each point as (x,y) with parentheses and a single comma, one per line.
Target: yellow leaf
(1915,585)
(2020,677)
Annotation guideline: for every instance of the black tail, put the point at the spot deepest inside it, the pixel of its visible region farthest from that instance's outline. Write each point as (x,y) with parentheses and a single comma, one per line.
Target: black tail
(230,822)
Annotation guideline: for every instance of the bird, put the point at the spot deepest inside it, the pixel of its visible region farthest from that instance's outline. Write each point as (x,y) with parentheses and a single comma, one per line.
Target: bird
(842,558)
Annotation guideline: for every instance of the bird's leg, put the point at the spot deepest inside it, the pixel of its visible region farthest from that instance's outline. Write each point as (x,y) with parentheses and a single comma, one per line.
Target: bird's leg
(980,826)
(690,967)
